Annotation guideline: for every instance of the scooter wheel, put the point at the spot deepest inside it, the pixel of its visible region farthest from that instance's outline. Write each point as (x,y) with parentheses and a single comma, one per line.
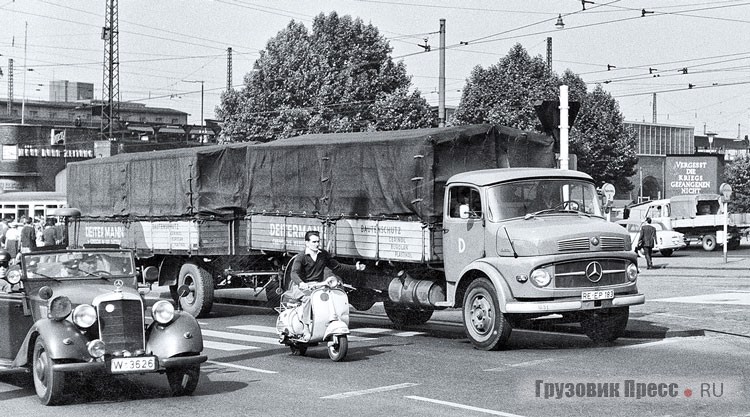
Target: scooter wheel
(337,351)
(298,350)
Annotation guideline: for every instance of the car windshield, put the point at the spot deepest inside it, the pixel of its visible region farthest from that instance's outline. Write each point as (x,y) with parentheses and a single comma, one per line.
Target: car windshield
(529,198)
(78,264)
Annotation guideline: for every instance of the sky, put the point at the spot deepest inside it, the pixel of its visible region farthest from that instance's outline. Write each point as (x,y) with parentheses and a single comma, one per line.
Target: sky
(169,48)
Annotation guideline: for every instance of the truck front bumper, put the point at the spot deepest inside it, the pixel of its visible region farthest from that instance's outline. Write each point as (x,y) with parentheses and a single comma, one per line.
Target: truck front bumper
(573,305)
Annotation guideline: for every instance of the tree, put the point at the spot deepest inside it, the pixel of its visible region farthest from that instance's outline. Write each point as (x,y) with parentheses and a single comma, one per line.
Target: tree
(737,174)
(506,93)
(338,78)
(606,150)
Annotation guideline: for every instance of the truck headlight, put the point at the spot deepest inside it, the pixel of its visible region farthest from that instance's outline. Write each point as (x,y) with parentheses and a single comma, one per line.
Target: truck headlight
(59,308)
(84,316)
(632,272)
(162,311)
(540,277)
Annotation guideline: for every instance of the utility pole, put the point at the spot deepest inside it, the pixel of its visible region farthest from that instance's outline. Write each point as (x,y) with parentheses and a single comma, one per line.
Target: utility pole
(549,52)
(10,86)
(654,105)
(229,70)
(111,83)
(198,81)
(441,79)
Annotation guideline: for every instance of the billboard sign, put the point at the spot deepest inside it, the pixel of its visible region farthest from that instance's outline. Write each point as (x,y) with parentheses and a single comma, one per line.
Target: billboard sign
(687,175)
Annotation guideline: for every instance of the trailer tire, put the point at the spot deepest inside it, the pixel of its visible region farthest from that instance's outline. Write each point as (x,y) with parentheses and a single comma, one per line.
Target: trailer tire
(733,244)
(402,316)
(604,326)
(199,301)
(666,252)
(709,242)
(486,326)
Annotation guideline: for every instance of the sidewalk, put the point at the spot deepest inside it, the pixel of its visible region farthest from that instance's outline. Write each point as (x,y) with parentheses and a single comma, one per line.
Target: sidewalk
(688,260)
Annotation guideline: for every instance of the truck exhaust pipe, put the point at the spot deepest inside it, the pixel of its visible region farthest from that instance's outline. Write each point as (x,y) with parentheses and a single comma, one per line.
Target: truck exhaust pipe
(415,292)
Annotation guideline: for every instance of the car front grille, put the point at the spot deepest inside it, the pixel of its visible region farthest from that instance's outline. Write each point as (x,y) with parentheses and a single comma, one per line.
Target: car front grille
(573,274)
(121,325)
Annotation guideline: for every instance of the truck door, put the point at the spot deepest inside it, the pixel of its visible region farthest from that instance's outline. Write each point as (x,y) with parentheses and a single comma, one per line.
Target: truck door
(463,223)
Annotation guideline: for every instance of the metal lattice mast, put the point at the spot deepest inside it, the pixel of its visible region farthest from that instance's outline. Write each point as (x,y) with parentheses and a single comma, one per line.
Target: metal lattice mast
(229,68)
(10,86)
(111,84)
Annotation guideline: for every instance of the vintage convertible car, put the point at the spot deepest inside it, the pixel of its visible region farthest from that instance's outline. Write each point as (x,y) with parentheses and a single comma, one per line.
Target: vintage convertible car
(80,311)
(667,241)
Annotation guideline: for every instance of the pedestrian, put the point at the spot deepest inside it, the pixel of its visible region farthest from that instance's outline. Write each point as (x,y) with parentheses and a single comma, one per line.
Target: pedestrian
(4,226)
(11,239)
(28,235)
(647,241)
(49,235)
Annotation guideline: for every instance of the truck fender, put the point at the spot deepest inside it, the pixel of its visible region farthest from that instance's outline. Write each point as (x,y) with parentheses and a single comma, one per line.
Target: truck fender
(481,267)
(54,334)
(182,335)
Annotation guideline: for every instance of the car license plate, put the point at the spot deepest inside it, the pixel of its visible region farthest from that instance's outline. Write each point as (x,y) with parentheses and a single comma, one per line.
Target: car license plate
(139,364)
(597,295)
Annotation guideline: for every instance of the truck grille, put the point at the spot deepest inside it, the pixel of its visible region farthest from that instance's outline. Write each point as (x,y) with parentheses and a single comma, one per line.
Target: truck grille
(573,274)
(121,325)
(607,243)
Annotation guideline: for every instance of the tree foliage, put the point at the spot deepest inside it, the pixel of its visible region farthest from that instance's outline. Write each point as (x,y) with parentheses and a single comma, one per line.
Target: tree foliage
(337,78)
(506,93)
(737,174)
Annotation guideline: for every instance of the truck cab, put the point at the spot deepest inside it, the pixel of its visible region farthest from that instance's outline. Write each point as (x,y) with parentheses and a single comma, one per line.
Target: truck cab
(527,242)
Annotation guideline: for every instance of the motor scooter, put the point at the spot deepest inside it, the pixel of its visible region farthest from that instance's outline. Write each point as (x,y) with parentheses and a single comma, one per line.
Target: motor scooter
(330,319)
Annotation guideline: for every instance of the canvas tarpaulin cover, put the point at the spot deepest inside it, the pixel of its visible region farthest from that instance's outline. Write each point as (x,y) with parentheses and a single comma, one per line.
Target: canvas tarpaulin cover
(398,173)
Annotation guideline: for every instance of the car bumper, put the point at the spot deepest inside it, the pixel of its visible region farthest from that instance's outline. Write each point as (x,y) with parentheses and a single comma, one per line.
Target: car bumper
(573,305)
(103,366)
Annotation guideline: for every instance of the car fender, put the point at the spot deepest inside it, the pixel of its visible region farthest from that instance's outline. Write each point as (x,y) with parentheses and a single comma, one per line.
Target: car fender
(182,335)
(495,276)
(63,340)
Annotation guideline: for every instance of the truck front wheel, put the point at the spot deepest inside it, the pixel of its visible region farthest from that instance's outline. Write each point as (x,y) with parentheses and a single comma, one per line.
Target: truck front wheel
(199,301)
(485,325)
(603,326)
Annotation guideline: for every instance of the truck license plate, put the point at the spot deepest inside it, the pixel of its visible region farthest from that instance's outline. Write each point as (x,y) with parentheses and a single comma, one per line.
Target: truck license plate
(139,364)
(597,295)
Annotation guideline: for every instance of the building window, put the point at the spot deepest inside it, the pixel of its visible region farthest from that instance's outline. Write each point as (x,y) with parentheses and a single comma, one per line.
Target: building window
(142,119)
(159,119)
(174,121)
(33,113)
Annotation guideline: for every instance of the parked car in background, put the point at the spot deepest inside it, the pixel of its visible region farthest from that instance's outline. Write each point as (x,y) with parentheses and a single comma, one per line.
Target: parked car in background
(667,241)
(80,311)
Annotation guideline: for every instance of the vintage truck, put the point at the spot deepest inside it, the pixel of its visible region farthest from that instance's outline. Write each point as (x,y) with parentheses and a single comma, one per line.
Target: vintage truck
(226,220)
(700,217)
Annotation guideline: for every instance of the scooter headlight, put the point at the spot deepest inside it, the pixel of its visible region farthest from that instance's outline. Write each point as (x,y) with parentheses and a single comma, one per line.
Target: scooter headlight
(162,311)
(84,316)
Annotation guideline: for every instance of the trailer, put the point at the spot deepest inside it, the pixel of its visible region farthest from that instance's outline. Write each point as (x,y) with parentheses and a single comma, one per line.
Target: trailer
(227,220)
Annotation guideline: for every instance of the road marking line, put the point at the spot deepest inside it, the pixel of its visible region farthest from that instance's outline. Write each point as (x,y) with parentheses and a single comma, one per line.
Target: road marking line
(656,343)
(520,364)
(242,337)
(408,334)
(465,407)
(246,368)
(368,391)
(269,329)
(371,330)
(226,346)
(735,298)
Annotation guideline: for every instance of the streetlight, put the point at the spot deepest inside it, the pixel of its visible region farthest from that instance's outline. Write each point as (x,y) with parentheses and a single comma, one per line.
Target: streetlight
(198,81)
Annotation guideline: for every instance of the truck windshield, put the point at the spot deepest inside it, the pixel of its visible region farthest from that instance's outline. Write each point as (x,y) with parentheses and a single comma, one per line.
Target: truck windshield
(542,197)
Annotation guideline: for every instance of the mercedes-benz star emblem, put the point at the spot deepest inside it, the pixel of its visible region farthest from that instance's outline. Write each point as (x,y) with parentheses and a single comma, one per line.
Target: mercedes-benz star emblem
(118,284)
(594,271)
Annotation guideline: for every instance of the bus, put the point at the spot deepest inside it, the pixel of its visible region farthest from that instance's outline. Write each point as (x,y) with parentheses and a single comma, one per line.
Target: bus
(36,204)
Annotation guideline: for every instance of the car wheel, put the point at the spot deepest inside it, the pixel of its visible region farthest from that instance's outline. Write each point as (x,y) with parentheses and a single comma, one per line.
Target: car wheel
(183,381)
(337,351)
(199,301)
(709,242)
(486,326)
(666,252)
(49,384)
(603,326)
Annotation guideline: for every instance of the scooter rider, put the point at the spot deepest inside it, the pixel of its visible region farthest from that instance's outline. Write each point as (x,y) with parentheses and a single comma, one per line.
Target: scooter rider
(308,267)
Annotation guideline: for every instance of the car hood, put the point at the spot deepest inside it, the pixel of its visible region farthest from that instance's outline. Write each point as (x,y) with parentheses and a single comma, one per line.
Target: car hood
(84,291)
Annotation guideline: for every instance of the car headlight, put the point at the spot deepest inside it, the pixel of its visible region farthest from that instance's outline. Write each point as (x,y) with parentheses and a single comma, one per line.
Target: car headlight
(95,348)
(162,311)
(540,277)
(84,316)
(14,277)
(632,272)
(59,308)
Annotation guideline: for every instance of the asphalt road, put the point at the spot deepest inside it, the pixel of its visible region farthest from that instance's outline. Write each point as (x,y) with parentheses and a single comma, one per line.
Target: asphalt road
(684,354)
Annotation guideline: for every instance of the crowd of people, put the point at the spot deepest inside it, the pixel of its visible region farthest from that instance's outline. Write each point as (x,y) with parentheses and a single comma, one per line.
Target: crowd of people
(27,233)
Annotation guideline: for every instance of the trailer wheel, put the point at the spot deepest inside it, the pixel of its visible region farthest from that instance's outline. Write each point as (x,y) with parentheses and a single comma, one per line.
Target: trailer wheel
(605,326)
(199,301)
(486,326)
(709,242)
(402,316)
(733,244)
(666,252)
